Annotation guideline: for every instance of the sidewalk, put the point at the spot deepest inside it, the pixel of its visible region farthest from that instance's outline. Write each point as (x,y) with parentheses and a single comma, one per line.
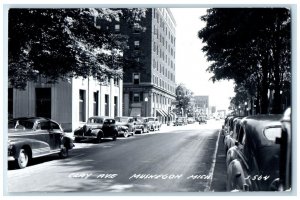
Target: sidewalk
(220,171)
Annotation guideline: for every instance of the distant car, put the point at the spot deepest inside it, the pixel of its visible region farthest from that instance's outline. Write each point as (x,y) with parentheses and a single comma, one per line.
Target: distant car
(254,160)
(190,120)
(154,123)
(180,121)
(33,137)
(128,122)
(202,120)
(285,142)
(141,124)
(97,128)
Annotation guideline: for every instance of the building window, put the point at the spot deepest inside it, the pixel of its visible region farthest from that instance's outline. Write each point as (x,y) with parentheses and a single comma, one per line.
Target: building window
(82,101)
(136,78)
(106,105)
(136,97)
(136,45)
(117,28)
(116,81)
(116,106)
(96,103)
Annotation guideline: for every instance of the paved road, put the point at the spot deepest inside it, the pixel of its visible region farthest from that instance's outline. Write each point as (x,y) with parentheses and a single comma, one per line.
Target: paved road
(176,159)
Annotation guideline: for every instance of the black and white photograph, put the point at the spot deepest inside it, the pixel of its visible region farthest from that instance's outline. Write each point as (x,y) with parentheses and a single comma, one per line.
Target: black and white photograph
(148,100)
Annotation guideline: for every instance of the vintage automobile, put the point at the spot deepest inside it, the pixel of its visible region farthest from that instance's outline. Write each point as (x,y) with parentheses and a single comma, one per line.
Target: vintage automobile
(96,129)
(190,120)
(141,124)
(180,121)
(231,138)
(254,160)
(154,123)
(202,120)
(285,142)
(126,122)
(32,137)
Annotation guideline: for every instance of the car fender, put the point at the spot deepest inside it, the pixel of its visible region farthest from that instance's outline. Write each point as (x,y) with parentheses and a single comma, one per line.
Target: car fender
(37,147)
(231,155)
(236,177)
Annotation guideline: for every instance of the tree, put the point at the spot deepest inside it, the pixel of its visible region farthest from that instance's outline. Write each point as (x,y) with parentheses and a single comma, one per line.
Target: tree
(63,43)
(252,47)
(183,97)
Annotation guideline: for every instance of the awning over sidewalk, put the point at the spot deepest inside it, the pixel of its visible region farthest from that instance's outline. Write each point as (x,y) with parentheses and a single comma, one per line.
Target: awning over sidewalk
(135,112)
(160,112)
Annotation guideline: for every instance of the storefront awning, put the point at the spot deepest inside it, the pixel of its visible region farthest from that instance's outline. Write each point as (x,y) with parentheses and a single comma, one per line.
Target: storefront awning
(135,112)
(160,112)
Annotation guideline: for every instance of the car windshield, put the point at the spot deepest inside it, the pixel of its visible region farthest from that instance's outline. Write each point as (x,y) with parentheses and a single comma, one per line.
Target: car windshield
(151,119)
(20,124)
(95,120)
(121,119)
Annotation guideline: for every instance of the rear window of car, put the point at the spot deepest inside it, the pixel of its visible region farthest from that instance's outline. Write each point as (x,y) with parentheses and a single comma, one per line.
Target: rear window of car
(20,124)
(109,121)
(151,119)
(121,119)
(95,120)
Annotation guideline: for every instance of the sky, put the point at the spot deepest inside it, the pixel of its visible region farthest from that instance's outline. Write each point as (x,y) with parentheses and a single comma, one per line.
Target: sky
(191,63)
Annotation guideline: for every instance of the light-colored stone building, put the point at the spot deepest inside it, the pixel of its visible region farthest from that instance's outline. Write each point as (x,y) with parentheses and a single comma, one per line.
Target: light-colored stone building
(70,103)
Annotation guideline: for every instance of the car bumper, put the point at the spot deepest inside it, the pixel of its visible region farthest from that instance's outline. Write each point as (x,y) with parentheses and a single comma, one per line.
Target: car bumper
(11,158)
(85,137)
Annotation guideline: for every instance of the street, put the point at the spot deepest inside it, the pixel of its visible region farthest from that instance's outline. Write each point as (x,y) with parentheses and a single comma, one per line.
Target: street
(174,159)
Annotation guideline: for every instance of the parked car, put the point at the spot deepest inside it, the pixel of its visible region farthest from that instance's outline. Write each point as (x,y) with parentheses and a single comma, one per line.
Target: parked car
(32,137)
(154,123)
(97,128)
(180,121)
(285,142)
(128,122)
(141,124)
(190,120)
(231,138)
(202,120)
(254,160)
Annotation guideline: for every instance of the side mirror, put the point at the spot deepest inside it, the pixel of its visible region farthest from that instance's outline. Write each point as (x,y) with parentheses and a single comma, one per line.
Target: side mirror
(236,143)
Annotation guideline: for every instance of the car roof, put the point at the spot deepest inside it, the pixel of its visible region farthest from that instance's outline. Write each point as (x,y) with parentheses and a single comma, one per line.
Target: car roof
(100,117)
(33,119)
(255,125)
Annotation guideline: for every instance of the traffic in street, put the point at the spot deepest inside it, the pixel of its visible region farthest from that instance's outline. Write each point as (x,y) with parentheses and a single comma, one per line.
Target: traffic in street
(174,159)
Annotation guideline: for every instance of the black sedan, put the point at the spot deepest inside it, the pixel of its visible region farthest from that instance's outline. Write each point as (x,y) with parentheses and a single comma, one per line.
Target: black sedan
(96,129)
(254,160)
(34,137)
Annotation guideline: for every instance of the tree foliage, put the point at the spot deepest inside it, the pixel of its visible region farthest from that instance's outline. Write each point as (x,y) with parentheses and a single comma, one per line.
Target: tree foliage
(252,47)
(183,97)
(63,43)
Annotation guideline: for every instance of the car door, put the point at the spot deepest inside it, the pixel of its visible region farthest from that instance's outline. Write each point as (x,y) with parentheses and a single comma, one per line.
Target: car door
(108,127)
(55,134)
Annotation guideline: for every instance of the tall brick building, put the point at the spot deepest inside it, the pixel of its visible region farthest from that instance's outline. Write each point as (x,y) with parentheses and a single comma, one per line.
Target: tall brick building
(149,88)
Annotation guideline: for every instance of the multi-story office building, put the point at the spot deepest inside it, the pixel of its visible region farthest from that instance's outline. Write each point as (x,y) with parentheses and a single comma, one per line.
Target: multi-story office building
(149,88)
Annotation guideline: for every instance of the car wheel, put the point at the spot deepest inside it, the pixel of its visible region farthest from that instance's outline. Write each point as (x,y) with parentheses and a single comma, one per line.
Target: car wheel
(114,138)
(77,140)
(125,134)
(64,152)
(23,159)
(99,138)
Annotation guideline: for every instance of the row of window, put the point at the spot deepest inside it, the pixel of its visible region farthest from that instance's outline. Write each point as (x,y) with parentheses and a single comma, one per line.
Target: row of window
(163,70)
(163,25)
(161,83)
(82,105)
(163,41)
(137,97)
(158,98)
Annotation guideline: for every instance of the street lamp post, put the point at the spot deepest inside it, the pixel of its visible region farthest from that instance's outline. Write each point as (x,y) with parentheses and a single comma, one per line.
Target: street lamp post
(146,104)
(246,108)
